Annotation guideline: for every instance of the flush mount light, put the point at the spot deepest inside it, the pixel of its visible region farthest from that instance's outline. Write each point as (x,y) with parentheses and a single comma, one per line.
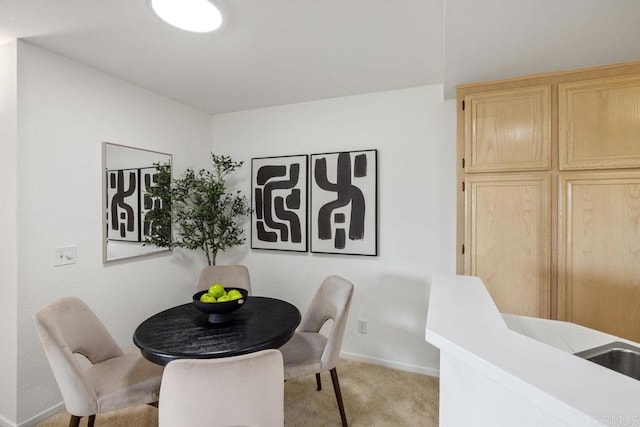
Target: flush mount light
(199,16)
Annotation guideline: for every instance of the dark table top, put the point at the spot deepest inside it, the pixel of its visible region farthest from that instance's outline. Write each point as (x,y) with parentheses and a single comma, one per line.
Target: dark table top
(184,332)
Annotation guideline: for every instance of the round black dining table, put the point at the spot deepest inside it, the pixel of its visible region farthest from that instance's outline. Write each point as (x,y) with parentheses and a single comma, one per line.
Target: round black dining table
(184,332)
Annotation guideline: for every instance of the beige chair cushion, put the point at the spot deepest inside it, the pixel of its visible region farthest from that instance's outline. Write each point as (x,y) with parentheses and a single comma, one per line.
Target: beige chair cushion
(302,354)
(123,381)
(231,276)
(112,380)
(245,390)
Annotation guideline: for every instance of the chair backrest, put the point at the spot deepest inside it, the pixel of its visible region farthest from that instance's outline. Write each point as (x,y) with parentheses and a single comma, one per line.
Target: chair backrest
(246,390)
(229,275)
(331,301)
(66,327)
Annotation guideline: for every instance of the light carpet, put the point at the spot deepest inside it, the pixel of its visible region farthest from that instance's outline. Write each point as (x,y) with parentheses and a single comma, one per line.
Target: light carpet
(373,395)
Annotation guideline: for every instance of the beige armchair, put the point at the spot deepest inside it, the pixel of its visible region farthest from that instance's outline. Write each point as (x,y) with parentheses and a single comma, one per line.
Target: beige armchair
(113,380)
(246,390)
(229,275)
(308,351)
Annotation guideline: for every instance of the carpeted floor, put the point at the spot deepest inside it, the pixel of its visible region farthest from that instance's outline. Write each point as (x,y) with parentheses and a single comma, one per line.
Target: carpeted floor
(374,396)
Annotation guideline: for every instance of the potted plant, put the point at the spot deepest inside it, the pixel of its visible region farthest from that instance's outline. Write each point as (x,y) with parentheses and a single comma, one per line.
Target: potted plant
(205,214)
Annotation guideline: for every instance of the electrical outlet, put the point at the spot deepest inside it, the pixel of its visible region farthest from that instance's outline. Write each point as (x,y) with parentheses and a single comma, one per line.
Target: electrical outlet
(362,326)
(65,255)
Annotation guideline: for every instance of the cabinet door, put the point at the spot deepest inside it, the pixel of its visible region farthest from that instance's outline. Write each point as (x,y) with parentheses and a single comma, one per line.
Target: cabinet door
(508,233)
(599,123)
(599,251)
(508,130)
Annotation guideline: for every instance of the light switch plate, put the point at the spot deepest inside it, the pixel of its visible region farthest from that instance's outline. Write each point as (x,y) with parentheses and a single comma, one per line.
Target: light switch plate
(362,326)
(65,255)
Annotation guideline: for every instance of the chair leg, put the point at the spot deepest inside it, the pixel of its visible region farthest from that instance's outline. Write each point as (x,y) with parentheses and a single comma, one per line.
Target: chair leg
(318,381)
(75,421)
(336,388)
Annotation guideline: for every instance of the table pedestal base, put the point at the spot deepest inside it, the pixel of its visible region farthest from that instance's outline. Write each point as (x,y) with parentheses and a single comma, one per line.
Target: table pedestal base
(220,317)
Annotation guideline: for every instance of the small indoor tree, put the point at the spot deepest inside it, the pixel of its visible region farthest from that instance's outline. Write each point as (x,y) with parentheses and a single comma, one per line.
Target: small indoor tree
(205,214)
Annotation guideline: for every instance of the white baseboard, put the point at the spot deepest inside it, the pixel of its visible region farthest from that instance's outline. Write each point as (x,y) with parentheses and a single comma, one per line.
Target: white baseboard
(390,364)
(41,416)
(5,422)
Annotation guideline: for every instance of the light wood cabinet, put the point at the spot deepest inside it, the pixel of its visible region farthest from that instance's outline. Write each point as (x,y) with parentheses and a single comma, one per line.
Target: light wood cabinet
(512,257)
(599,123)
(549,201)
(599,251)
(508,130)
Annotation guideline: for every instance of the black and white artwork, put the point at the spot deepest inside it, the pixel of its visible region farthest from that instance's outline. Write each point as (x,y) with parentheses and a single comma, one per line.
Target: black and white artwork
(148,179)
(128,203)
(123,205)
(344,193)
(279,203)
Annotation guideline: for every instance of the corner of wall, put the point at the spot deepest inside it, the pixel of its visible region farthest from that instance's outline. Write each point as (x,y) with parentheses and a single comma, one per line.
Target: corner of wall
(8,227)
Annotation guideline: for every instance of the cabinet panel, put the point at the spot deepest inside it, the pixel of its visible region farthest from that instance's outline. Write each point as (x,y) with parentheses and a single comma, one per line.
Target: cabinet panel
(599,251)
(508,236)
(508,129)
(599,123)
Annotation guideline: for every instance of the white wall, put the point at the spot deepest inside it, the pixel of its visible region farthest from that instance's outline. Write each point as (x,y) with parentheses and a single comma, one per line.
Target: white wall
(8,231)
(414,131)
(65,111)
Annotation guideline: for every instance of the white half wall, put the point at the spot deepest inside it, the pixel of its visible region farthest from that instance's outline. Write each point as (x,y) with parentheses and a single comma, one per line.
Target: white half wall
(9,233)
(65,112)
(414,133)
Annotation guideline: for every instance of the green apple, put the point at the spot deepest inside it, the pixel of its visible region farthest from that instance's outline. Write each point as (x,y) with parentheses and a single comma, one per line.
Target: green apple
(217,290)
(223,298)
(234,294)
(207,297)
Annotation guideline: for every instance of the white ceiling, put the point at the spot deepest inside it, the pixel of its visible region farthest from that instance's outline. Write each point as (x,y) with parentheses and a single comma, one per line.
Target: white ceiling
(494,39)
(273,52)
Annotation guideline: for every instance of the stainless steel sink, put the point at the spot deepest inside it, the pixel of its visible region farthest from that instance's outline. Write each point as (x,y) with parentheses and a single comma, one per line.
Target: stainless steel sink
(619,356)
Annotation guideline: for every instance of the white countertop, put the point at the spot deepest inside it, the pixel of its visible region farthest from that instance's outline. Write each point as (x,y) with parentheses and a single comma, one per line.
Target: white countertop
(565,336)
(464,322)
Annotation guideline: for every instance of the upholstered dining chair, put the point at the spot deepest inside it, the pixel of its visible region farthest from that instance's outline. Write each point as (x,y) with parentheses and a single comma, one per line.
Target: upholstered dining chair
(229,275)
(113,379)
(245,390)
(309,351)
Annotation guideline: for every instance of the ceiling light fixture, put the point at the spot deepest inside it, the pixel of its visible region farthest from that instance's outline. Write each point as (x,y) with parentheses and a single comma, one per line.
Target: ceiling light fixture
(199,16)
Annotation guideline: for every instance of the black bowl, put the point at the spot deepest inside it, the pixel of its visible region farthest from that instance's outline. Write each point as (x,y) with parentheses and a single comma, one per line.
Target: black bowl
(220,312)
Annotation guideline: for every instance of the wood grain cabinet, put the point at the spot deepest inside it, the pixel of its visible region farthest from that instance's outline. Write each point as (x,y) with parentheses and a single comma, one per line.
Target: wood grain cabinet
(549,194)
(512,257)
(599,251)
(508,130)
(599,123)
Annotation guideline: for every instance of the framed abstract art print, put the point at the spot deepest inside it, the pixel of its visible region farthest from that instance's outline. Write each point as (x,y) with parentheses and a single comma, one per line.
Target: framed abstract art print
(279,202)
(344,203)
